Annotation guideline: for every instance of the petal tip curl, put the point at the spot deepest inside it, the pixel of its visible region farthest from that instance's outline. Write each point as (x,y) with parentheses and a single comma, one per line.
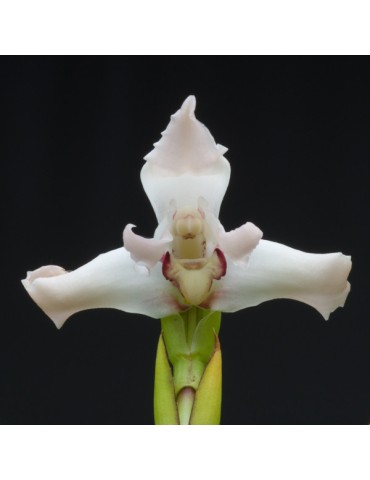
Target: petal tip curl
(34,285)
(145,251)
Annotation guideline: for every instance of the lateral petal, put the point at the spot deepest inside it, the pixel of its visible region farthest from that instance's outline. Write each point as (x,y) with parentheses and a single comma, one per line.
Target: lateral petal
(277,271)
(238,244)
(147,251)
(111,280)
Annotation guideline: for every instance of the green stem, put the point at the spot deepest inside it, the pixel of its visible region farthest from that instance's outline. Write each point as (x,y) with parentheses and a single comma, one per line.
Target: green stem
(191,323)
(189,346)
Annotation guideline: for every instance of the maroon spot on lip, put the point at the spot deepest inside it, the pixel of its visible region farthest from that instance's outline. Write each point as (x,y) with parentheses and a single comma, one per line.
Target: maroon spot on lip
(223,263)
(166,265)
(166,269)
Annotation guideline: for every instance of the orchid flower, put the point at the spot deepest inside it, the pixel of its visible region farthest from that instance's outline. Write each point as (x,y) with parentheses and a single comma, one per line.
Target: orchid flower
(191,261)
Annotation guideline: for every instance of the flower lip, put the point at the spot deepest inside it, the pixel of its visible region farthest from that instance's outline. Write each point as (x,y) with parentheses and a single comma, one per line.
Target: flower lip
(194,277)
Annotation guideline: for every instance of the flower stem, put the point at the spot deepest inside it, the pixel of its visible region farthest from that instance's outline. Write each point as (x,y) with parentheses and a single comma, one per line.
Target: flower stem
(187,361)
(191,324)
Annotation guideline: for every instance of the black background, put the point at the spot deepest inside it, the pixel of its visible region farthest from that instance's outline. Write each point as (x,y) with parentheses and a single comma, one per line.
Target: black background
(74,134)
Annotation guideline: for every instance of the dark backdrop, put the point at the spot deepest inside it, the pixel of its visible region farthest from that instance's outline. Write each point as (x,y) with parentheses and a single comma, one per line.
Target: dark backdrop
(74,134)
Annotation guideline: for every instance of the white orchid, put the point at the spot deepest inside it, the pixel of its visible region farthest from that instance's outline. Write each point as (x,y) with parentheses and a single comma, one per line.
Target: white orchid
(190,271)
(191,261)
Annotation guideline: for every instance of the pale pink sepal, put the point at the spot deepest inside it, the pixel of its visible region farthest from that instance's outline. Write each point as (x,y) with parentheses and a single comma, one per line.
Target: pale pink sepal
(186,164)
(238,244)
(186,144)
(109,281)
(147,251)
(277,271)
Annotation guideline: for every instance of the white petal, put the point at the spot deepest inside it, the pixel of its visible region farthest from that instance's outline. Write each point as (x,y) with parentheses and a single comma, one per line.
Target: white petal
(109,281)
(147,251)
(186,164)
(278,271)
(238,244)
